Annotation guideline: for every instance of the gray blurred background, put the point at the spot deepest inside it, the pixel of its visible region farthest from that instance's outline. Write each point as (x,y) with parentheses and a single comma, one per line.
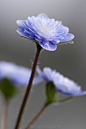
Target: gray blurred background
(70,60)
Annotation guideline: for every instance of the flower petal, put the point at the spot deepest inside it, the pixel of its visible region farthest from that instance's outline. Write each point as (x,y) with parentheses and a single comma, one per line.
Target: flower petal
(41,74)
(21,24)
(28,32)
(79,93)
(62,84)
(65,90)
(48,45)
(37,80)
(47,32)
(18,75)
(48,72)
(22,33)
(68,37)
(43,15)
(56,41)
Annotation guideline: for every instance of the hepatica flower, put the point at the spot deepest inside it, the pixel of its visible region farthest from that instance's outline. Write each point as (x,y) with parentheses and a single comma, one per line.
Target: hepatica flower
(18,75)
(62,84)
(47,32)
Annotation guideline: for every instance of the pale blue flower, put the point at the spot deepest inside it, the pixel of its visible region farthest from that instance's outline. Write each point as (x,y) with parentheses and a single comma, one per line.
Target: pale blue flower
(19,75)
(47,32)
(62,84)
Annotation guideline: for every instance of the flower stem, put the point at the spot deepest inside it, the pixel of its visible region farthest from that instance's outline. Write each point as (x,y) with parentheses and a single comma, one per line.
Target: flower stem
(31,122)
(28,88)
(4,115)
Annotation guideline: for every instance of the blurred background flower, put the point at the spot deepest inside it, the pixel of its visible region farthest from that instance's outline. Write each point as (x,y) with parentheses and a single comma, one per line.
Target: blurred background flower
(12,75)
(62,84)
(18,75)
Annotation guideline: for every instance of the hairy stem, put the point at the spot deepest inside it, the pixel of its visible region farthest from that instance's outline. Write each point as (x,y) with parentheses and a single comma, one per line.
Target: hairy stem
(31,122)
(28,88)
(4,115)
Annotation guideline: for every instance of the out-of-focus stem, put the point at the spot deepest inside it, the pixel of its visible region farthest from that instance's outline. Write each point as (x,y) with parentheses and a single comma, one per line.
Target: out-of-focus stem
(39,113)
(28,88)
(4,115)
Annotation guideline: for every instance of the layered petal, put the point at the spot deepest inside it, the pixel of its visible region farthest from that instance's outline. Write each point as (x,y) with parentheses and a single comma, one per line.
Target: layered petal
(22,33)
(68,37)
(43,16)
(48,45)
(47,32)
(21,24)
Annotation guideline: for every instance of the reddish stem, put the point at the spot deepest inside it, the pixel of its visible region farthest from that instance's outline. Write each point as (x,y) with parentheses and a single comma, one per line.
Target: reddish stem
(28,88)
(31,122)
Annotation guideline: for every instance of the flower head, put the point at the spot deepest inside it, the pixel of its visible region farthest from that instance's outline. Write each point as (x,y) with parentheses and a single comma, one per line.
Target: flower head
(47,32)
(62,84)
(18,75)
